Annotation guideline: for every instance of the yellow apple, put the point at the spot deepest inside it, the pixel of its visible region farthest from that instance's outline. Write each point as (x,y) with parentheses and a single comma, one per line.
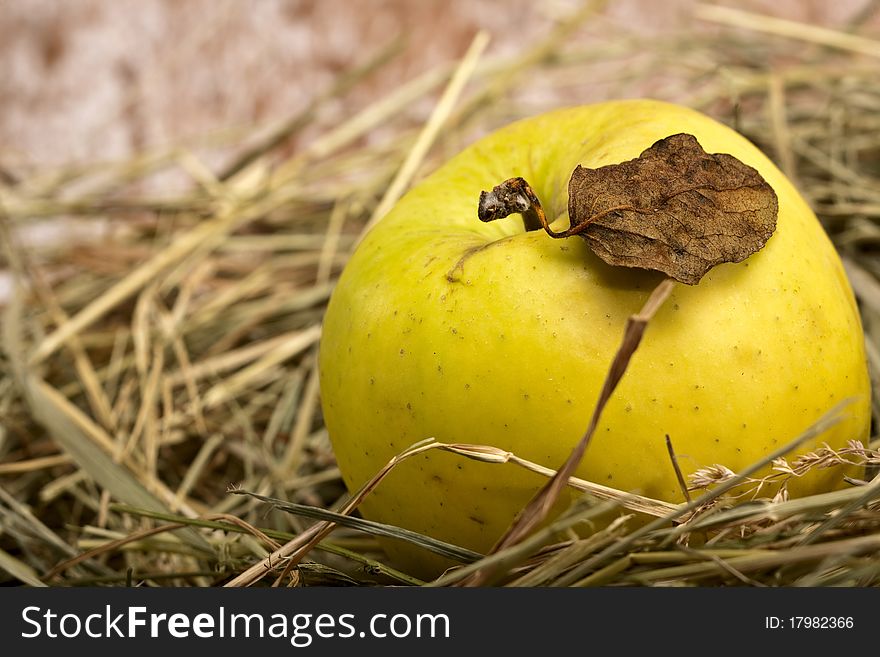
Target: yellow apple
(510,346)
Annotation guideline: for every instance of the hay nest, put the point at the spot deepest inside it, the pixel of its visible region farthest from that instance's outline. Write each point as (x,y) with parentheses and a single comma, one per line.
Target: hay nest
(159,368)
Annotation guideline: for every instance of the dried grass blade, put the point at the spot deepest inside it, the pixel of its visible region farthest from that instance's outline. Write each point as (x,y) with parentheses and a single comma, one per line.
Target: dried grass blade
(869,493)
(442,548)
(431,129)
(19,570)
(30,465)
(631,501)
(22,514)
(284,410)
(308,406)
(64,422)
(781,131)
(790,29)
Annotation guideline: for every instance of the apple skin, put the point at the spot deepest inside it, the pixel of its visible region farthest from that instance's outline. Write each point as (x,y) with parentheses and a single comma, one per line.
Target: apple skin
(510,348)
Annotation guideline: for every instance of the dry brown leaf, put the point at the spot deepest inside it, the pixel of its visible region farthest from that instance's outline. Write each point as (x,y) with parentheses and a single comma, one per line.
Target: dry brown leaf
(675,209)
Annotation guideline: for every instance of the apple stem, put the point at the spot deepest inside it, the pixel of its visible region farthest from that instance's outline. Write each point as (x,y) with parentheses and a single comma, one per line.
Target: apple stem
(513,196)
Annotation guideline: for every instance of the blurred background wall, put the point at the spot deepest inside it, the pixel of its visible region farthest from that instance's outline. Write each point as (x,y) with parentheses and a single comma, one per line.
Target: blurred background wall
(99,79)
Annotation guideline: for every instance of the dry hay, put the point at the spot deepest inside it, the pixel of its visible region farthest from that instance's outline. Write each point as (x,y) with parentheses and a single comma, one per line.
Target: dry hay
(149,370)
